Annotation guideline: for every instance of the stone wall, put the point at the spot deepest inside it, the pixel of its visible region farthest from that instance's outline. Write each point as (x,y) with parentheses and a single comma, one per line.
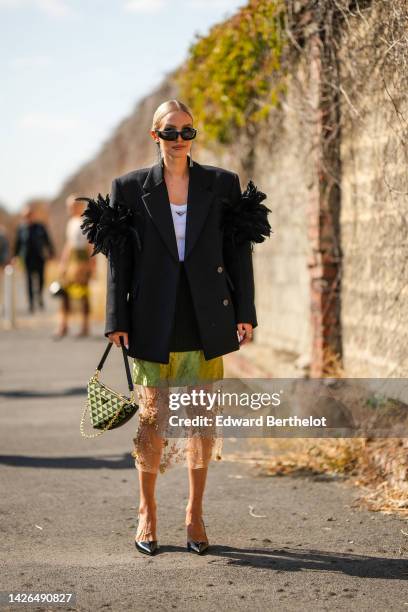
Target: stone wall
(284,171)
(374,220)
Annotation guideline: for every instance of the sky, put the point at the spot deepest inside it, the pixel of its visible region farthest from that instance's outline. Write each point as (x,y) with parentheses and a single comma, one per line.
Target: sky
(71,70)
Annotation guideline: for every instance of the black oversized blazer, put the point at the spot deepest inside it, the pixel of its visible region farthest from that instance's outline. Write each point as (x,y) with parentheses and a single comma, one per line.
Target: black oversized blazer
(142,284)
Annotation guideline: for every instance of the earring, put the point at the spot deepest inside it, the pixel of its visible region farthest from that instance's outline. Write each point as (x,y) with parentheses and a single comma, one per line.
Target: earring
(160,157)
(191,160)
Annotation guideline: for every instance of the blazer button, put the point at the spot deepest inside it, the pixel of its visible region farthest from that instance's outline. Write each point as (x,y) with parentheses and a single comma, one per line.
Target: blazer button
(225,302)
(220,269)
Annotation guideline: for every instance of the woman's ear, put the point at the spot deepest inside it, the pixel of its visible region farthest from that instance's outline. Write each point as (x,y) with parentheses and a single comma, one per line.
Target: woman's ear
(153,135)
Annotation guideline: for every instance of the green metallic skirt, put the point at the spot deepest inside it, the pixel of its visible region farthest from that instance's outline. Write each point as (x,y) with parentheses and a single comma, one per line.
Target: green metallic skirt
(184,368)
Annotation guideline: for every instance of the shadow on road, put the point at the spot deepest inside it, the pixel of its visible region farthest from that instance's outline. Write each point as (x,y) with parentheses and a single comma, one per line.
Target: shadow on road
(286,560)
(12,393)
(117,462)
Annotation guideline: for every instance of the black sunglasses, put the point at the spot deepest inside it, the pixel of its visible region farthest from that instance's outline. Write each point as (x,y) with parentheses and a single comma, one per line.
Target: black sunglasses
(187,133)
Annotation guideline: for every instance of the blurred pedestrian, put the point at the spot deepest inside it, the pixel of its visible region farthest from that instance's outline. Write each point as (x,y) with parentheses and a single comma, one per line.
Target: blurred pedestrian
(4,247)
(76,269)
(4,260)
(33,244)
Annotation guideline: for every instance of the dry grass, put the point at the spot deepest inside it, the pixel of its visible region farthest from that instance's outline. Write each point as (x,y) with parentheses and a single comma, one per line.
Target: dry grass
(379,466)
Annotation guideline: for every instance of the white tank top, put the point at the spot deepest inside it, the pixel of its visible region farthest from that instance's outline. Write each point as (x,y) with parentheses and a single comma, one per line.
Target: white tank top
(74,235)
(179,214)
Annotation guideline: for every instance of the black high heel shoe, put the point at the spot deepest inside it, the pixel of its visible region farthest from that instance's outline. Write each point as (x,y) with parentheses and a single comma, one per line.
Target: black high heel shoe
(148,547)
(197,546)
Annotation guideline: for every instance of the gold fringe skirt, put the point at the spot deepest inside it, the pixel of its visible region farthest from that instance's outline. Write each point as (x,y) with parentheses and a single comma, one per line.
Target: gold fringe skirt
(158,444)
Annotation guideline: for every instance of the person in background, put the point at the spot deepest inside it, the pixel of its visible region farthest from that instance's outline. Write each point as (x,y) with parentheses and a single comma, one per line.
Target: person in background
(33,244)
(76,269)
(4,247)
(4,260)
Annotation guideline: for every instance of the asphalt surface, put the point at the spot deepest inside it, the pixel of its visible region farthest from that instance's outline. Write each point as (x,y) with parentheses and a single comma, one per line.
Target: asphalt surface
(69,505)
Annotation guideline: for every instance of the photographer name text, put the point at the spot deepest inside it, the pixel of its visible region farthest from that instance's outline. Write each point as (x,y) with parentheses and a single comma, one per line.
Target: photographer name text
(259,421)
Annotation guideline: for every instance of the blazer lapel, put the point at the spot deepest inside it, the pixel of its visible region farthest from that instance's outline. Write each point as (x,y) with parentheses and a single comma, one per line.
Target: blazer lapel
(157,203)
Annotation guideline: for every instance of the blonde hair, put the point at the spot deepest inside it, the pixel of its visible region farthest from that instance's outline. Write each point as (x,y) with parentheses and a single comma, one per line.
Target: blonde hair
(73,205)
(167,107)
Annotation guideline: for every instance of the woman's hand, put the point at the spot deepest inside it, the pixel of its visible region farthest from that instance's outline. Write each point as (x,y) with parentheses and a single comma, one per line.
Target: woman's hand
(245,332)
(114,337)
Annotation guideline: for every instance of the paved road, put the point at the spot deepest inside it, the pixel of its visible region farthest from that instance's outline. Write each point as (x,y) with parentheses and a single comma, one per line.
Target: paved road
(69,505)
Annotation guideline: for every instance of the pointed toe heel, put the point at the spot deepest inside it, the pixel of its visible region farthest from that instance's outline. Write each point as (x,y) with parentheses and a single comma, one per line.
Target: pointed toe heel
(198,547)
(147,547)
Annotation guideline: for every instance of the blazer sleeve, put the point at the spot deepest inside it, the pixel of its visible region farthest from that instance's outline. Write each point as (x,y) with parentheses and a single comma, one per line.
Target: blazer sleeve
(238,261)
(119,278)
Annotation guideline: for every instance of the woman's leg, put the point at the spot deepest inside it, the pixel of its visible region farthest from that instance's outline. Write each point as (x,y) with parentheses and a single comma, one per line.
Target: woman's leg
(149,440)
(194,509)
(147,507)
(64,311)
(85,315)
(199,453)
(148,447)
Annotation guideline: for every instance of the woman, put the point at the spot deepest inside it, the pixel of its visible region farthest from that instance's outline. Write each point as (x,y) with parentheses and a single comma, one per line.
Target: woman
(76,269)
(191,301)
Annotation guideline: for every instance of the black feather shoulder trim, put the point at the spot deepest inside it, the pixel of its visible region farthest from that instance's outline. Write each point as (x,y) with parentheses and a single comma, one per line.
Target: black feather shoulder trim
(107,226)
(247,219)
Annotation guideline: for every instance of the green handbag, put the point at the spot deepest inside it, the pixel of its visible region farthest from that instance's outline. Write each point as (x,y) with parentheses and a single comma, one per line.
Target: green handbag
(107,408)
